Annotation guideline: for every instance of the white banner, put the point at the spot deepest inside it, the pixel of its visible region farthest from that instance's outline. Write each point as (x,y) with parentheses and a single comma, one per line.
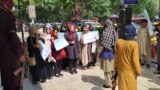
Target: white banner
(60,35)
(94,46)
(90,37)
(60,43)
(95,33)
(79,35)
(32,11)
(45,51)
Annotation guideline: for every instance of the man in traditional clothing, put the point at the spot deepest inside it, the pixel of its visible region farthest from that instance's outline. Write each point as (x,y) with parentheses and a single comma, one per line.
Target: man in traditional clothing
(108,40)
(11,53)
(143,39)
(127,60)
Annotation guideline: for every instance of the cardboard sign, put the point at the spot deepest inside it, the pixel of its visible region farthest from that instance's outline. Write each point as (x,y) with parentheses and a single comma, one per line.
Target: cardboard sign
(45,51)
(60,43)
(90,37)
(32,11)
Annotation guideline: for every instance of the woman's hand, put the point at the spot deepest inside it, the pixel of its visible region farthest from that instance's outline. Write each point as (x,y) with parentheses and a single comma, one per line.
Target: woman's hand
(138,74)
(22,59)
(72,42)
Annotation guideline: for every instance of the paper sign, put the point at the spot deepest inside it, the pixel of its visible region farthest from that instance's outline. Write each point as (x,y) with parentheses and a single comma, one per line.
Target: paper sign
(79,35)
(95,33)
(94,45)
(90,37)
(32,11)
(60,35)
(60,43)
(45,51)
(40,30)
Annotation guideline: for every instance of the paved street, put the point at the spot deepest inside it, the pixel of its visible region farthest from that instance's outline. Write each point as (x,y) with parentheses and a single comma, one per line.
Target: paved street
(91,79)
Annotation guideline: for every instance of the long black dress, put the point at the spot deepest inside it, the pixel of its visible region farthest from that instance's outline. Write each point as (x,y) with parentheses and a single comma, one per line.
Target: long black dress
(40,71)
(10,50)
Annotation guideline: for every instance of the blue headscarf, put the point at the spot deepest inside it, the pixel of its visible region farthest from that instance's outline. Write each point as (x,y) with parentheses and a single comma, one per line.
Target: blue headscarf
(129,32)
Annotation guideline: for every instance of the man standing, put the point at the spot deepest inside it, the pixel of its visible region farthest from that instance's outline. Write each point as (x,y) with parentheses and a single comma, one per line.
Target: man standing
(11,53)
(144,44)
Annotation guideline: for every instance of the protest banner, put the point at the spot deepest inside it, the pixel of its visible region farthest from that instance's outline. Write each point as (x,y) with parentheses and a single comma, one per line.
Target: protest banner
(90,37)
(40,31)
(32,11)
(60,43)
(95,33)
(60,35)
(45,51)
(79,35)
(94,45)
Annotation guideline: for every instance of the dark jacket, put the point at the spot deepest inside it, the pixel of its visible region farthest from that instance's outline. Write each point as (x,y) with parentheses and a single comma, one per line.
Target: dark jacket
(10,49)
(72,50)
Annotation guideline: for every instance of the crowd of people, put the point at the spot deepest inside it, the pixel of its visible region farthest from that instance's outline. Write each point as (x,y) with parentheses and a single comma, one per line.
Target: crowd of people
(76,53)
(118,55)
(120,58)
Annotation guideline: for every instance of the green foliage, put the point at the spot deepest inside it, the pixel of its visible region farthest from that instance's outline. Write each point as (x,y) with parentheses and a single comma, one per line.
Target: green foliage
(149,5)
(62,10)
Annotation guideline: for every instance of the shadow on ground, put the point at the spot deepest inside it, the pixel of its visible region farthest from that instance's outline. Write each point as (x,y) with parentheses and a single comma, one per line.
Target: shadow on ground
(28,85)
(97,88)
(152,77)
(95,80)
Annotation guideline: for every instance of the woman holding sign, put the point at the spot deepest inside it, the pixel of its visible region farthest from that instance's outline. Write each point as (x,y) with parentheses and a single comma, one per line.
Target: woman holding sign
(58,55)
(86,54)
(73,48)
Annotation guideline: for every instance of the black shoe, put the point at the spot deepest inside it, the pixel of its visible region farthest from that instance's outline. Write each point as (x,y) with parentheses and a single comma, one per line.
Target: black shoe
(71,72)
(57,75)
(35,82)
(148,66)
(75,71)
(61,74)
(142,64)
(106,86)
(43,81)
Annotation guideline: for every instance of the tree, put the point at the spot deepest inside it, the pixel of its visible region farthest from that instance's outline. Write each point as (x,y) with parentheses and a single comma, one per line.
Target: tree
(62,10)
(114,6)
(149,5)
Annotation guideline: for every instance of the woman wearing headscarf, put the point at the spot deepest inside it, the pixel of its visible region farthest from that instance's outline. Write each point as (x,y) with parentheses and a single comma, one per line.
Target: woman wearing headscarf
(46,65)
(86,50)
(73,49)
(127,62)
(33,51)
(11,52)
(108,40)
(58,55)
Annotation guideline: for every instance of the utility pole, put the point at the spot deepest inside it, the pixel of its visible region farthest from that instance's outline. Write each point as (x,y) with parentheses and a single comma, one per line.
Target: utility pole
(159,9)
(121,19)
(23,41)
